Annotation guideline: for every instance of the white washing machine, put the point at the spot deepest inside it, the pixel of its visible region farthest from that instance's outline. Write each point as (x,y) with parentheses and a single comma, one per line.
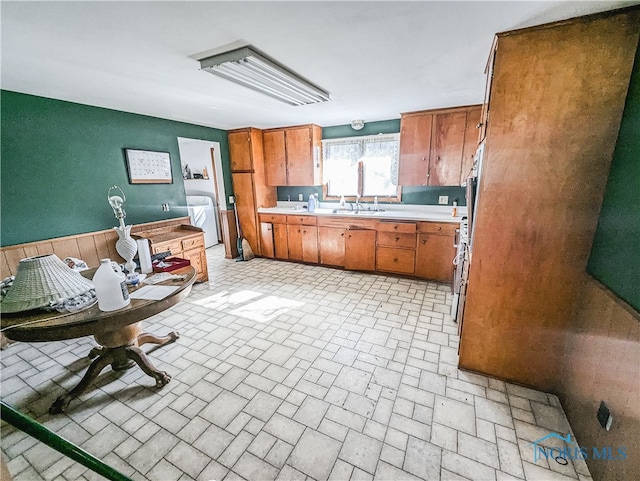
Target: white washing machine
(202,211)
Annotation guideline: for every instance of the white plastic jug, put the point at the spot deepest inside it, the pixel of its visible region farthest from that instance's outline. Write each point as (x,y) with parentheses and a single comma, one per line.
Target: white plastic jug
(311,205)
(111,287)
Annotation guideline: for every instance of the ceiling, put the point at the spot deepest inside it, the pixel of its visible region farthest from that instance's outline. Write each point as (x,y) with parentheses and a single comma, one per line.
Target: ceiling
(377,59)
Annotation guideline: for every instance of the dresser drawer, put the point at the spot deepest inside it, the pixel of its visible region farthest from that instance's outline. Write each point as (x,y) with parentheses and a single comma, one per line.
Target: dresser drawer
(175,246)
(301,219)
(408,227)
(401,261)
(397,239)
(194,242)
(273,218)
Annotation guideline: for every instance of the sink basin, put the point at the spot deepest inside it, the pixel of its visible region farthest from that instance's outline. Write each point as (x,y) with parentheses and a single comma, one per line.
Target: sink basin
(361,212)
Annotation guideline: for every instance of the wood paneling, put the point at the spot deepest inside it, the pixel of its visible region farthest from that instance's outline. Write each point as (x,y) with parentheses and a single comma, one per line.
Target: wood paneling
(601,362)
(556,103)
(90,247)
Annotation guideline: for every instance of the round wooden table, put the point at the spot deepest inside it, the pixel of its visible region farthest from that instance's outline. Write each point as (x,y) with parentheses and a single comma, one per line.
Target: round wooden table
(119,333)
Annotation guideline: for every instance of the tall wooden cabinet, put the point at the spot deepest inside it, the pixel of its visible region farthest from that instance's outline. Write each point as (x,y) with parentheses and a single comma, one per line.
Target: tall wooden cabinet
(292,155)
(249,184)
(555,101)
(435,144)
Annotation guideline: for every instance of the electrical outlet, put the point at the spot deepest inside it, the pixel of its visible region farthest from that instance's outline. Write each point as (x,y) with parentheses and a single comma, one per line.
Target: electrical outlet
(165,207)
(300,197)
(232,199)
(443,199)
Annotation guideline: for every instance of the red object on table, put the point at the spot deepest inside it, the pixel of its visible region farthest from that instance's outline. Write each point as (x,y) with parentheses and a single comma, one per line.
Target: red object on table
(173,263)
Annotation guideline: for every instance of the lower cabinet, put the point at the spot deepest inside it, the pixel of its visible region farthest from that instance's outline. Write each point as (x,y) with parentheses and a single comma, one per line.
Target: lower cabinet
(396,247)
(302,241)
(360,250)
(266,239)
(400,261)
(280,244)
(434,257)
(331,241)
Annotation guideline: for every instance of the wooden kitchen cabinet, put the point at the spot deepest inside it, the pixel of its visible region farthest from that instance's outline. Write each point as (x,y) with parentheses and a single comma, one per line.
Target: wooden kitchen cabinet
(360,249)
(280,243)
(434,257)
(302,238)
(471,141)
(432,145)
(310,244)
(245,149)
(249,186)
(266,239)
(331,245)
(292,155)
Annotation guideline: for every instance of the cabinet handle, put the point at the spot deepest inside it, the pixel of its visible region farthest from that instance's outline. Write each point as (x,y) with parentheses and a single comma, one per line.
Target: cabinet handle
(424,158)
(424,241)
(395,226)
(281,164)
(395,259)
(304,231)
(342,234)
(301,219)
(439,228)
(478,125)
(397,239)
(438,157)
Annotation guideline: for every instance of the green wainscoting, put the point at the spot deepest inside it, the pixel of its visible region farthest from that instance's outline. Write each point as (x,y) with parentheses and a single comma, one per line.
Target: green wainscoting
(60,158)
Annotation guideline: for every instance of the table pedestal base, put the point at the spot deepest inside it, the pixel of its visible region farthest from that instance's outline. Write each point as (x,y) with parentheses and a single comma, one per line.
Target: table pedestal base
(121,358)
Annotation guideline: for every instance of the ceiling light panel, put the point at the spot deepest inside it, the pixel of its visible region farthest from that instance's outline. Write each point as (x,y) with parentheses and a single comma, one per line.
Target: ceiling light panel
(253,69)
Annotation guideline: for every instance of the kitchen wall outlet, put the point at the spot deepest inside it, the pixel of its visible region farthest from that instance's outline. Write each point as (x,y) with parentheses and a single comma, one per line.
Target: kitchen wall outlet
(232,199)
(443,199)
(165,207)
(604,416)
(300,198)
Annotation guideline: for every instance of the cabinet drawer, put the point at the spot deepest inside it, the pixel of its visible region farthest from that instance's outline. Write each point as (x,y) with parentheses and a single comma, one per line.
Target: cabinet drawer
(397,239)
(401,261)
(438,228)
(175,246)
(396,227)
(273,218)
(192,243)
(301,219)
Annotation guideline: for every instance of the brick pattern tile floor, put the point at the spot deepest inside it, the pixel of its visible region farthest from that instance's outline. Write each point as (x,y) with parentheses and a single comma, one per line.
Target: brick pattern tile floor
(286,371)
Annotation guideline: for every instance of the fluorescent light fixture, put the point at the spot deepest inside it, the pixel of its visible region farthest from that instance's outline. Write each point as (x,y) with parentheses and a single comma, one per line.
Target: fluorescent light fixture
(253,69)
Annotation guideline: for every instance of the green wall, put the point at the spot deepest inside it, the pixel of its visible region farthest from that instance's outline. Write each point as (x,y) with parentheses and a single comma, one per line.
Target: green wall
(615,254)
(60,158)
(410,194)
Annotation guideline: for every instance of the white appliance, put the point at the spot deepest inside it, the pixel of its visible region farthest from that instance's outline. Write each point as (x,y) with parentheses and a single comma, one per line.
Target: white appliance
(202,211)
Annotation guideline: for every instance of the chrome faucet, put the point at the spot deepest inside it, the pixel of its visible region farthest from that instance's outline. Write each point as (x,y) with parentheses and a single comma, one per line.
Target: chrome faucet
(357,202)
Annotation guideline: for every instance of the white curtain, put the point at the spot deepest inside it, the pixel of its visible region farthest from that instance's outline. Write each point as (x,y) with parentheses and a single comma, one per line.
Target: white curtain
(379,156)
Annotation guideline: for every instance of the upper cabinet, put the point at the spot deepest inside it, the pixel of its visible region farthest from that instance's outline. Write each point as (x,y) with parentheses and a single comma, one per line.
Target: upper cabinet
(245,149)
(434,145)
(292,155)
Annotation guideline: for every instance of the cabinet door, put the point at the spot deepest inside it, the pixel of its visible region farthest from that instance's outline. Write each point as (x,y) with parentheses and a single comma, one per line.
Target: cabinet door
(280,241)
(299,156)
(471,135)
(434,257)
(195,257)
(240,151)
(294,241)
(266,237)
(331,246)
(415,146)
(275,162)
(310,244)
(360,250)
(447,144)
(245,205)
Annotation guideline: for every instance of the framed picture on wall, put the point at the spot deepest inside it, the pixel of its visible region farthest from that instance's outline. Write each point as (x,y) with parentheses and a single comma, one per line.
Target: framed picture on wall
(148,167)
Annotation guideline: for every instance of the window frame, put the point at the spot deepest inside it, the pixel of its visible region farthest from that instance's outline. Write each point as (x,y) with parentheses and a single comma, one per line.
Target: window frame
(395,198)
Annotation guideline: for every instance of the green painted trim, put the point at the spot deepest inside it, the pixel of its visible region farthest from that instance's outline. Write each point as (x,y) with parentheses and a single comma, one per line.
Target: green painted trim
(57,442)
(60,158)
(370,128)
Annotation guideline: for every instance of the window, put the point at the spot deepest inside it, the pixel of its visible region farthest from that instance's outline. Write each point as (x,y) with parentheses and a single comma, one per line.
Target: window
(365,166)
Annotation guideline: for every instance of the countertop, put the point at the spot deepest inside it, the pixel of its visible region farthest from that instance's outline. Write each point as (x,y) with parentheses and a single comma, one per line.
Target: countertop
(433,213)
